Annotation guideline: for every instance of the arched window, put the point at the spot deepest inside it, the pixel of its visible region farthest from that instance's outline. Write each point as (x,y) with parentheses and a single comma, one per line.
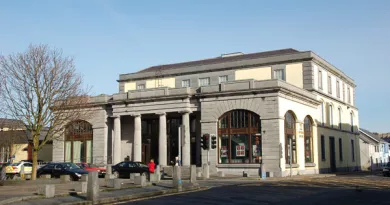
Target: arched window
(78,142)
(308,131)
(239,134)
(322,114)
(290,138)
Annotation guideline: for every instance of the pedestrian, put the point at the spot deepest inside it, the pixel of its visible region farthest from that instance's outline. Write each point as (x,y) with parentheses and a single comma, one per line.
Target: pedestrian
(151,166)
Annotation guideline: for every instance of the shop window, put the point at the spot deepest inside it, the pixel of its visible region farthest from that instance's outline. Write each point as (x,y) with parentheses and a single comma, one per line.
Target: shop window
(290,138)
(78,142)
(308,130)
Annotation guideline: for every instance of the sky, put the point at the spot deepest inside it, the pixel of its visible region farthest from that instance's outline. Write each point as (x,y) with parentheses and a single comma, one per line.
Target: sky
(108,38)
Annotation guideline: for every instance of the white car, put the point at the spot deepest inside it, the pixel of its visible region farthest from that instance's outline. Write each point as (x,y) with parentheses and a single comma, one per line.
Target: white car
(14,169)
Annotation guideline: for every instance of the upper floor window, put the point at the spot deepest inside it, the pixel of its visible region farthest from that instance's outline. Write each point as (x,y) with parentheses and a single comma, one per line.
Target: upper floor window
(204,81)
(329,84)
(223,78)
(351,122)
(343,92)
(340,119)
(279,74)
(331,115)
(320,80)
(185,83)
(140,86)
(338,89)
(349,95)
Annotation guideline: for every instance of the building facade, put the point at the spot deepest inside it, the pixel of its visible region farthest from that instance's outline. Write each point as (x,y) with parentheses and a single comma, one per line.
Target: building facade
(289,110)
(374,151)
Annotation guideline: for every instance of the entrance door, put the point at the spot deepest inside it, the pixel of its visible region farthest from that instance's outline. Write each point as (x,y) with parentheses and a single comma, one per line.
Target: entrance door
(145,153)
(332,153)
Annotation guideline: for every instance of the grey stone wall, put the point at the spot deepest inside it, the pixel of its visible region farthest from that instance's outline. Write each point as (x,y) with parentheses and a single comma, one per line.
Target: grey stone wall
(214,78)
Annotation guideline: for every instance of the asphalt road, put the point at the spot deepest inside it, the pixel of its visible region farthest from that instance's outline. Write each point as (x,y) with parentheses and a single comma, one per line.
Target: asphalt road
(333,190)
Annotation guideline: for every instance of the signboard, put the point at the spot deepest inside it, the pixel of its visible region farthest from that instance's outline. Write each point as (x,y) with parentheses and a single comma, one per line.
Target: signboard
(224,151)
(240,150)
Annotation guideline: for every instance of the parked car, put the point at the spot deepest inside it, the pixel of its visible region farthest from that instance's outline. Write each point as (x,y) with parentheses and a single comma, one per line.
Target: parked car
(123,169)
(386,170)
(14,169)
(63,168)
(91,167)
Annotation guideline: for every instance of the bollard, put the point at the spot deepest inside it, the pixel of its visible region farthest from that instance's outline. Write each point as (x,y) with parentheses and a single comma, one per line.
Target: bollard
(221,174)
(114,183)
(206,172)
(84,178)
(140,180)
(47,191)
(177,183)
(193,174)
(262,174)
(22,171)
(93,186)
(245,174)
(65,178)
(108,174)
(133,175)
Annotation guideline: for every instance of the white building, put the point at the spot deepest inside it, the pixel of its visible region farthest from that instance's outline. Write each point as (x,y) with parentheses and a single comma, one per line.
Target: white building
(374,151)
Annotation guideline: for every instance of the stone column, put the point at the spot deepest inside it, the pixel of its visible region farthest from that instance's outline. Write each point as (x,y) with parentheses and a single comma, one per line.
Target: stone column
(162,140)
(117,140)
(137,138)
(186,142)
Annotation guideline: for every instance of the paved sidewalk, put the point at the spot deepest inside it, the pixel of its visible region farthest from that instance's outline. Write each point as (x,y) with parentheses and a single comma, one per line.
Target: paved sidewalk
(110,196)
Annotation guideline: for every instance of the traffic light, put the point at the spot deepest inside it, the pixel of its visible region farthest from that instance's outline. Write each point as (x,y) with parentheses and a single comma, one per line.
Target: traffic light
(213,142)
(205,141)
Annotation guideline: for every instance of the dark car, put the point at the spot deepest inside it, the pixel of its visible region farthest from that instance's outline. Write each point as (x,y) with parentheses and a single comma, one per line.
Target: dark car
(124,169)
(386,170)
(65,168)
(91,167)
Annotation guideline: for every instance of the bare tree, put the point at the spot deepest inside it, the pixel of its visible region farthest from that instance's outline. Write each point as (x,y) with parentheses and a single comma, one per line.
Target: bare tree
(41,88)
(12,138)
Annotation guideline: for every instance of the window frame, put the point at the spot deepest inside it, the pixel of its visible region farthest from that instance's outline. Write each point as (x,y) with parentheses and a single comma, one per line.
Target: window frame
(329,84)
(83,133)
(283,73)
(290,132)
(141,86)
(338,89)
(200,80)
(340,119)
(186,80)
(320,83)
(221,77)
(330,112)
(348,95)
(308,133)
(323,151)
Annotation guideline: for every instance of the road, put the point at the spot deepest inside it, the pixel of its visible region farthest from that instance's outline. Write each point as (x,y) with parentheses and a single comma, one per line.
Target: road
(332,190)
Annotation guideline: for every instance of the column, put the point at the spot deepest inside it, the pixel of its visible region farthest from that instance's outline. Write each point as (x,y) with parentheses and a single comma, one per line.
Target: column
(117,140)
(186,148)
(162,140)
(137,138)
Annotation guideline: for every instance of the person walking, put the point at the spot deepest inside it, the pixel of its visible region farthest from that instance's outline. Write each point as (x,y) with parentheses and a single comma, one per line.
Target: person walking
(151,166)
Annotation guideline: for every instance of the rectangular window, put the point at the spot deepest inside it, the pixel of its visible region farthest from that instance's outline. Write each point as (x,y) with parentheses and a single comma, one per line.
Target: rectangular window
(322,114)
(343,92)
(338,89)
(353,150)
(331,115)
(279,74)
(223,78)
(349,95)
(204,81)
(323,148)
(341,149)
(320,80)
(329,84)
(140,86)
(185,83)
(340,119)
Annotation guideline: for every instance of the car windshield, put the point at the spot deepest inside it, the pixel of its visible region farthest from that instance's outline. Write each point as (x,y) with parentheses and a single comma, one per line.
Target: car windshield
(15,164)
(70,166)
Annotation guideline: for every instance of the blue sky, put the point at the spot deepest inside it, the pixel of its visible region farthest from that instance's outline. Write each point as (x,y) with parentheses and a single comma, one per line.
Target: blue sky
(108,38)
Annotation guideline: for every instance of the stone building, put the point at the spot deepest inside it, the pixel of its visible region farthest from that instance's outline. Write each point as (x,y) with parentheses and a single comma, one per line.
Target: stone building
(277,107)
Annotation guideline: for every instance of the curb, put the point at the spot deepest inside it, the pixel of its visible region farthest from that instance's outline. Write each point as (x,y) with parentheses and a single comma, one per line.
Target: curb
(137,196)
(19,199)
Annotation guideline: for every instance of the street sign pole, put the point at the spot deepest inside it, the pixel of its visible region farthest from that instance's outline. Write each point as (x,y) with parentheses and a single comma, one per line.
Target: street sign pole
(179,145)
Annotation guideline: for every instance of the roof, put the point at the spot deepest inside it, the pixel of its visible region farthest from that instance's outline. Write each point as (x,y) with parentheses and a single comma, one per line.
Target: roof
(370,135)
(221,60)
(10,123)
(20,136)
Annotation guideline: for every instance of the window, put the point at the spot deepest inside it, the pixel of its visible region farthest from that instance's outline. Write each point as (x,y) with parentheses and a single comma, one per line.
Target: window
(308,140)
(223,78)
(140,86)
(185,83)
(343,92)
(353,150)
(279,74)
(78,142)
(323,148)
(329,84)
(340,125)
(322,114)
(290,138)
(239,141)
(338,89)
(320,80)
(341,149)
(349,95)
(351,122)
(204,81)
(331,115)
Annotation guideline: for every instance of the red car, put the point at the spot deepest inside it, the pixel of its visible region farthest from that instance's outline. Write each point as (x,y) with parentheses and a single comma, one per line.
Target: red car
(90,167)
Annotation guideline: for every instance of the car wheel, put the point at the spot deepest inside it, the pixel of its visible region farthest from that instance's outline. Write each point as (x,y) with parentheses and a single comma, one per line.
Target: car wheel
(116,174)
